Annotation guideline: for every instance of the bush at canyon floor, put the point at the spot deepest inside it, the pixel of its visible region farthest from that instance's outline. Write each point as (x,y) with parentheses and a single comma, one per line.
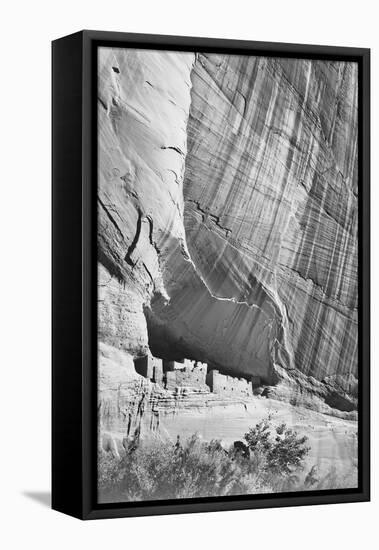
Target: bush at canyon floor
(269,459)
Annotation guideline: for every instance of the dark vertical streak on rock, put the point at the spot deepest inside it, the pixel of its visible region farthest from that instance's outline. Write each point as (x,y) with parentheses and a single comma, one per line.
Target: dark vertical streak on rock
(135,240)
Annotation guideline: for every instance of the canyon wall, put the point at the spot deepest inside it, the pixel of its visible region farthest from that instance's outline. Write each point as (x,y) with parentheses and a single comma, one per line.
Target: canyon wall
(227,219)
(271,206)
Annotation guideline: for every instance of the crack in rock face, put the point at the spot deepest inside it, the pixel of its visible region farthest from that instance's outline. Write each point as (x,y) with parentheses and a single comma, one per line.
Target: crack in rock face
(227,225)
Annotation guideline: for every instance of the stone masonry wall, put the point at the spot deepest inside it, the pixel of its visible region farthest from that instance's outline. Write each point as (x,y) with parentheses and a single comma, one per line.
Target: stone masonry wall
(229,385)
(150,367)
(191,375)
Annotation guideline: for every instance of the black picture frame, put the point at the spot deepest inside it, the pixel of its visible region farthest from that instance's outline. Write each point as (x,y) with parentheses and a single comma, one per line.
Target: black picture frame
(74,337)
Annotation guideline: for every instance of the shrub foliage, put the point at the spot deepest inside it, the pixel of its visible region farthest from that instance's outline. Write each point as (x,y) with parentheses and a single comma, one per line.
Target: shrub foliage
(282,448)
(271,459)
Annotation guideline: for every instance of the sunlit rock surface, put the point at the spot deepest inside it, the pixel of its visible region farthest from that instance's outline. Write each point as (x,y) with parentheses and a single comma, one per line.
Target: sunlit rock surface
(143,108)
(227,234)
(271,210)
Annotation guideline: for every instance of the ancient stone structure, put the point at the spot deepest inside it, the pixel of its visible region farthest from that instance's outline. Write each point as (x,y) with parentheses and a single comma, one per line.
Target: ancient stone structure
(172,365)
(172,374)
(229,385)
(191,375)
(150,367)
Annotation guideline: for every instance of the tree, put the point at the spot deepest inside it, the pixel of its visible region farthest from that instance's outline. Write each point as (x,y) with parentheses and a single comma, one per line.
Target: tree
(282,447)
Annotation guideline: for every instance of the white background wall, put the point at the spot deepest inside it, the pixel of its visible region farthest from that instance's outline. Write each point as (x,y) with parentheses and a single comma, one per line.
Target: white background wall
(27,29)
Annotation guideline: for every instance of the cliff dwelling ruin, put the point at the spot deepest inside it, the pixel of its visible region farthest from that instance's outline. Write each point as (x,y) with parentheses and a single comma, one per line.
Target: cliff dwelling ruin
(195,376)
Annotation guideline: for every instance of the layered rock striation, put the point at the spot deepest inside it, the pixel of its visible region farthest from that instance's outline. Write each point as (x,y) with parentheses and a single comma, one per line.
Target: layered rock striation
(227,219)
(271,207)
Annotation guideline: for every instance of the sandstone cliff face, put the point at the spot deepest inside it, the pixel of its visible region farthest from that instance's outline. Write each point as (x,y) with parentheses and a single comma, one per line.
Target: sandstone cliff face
(144,100)
(271,209)
(228,216)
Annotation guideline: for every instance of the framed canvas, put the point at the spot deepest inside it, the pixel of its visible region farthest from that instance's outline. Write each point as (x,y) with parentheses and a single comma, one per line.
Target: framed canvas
(210,275)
